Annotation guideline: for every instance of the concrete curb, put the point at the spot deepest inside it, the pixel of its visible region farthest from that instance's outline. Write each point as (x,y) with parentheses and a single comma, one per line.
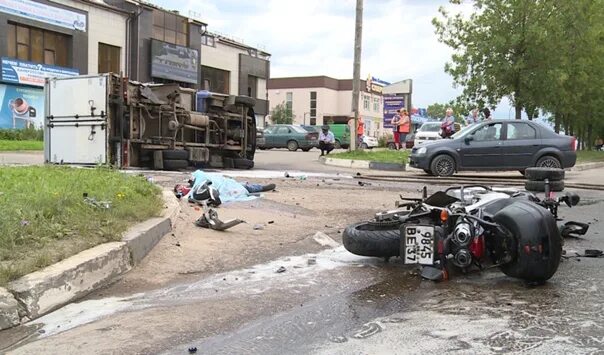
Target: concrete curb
(43,291)
(587,166)
(362,164)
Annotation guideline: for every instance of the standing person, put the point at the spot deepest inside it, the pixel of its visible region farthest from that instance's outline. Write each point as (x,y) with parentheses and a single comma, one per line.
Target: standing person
(326,140)
(404,126)
(474,117)
(448,125)
(360,131)
(395,120)
(487,114)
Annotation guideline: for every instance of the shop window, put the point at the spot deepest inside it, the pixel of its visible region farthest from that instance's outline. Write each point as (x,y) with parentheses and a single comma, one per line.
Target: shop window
(376,104)
(38,45)
(215,80)
(208,40)
(109,58)
(313,106)
(366,102)
(170,27)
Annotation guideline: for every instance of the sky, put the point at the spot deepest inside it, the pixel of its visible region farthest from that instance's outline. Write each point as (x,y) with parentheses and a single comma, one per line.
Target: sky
(316,37)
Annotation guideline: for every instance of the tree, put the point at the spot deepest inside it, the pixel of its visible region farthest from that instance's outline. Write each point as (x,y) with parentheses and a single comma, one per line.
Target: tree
(497,50)
(436,110)
(281,115)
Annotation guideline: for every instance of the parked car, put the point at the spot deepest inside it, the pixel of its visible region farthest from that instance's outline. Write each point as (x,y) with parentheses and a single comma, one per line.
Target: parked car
(369,142)
(429,131)
(341,133)
(290,136)
(496,145)
(409,142)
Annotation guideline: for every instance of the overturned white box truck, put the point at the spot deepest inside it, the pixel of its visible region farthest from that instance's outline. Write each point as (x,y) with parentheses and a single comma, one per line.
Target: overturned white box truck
(106,119)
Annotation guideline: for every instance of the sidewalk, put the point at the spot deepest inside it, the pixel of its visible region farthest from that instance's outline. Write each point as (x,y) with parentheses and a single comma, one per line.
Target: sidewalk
(22,158)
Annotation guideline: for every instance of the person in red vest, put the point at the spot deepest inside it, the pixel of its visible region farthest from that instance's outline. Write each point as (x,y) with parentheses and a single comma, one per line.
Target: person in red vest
(360,131)
(404,126)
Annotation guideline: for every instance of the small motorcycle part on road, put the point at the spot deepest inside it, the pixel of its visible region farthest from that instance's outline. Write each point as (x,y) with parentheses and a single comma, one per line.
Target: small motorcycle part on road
(281,269)
(593,253)
(192,350)
(209,219)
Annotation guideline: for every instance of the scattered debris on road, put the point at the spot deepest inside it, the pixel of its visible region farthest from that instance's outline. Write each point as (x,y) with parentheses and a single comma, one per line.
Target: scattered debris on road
(281,269)
(209,219)
(95,203)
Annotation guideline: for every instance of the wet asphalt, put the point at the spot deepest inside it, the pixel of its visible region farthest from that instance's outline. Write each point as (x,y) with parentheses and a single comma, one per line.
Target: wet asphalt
(333,302)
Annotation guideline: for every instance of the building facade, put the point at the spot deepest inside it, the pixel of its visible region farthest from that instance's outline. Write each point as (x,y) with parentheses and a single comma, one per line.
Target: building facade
(318,100)
(59,38)
(230,67)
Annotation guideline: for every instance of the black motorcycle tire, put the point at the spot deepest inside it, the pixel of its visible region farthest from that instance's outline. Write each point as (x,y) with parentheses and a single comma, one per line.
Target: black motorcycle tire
(539,186)
(540,174)
(538,242)
(370,239)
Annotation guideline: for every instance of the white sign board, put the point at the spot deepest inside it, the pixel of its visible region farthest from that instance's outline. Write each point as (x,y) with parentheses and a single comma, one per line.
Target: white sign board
(44,13)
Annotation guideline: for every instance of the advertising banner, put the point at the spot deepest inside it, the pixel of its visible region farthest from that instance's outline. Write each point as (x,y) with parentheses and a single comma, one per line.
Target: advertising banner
(29,73)
(44,13)
(21,107)
(391,104)
(173,62)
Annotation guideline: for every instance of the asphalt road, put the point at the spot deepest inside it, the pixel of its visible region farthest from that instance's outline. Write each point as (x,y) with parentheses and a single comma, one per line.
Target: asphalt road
(328,301)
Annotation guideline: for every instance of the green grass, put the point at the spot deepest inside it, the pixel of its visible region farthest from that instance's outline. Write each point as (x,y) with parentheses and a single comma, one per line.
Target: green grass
(8,146)
(587,156)
(45,219)
(383,156)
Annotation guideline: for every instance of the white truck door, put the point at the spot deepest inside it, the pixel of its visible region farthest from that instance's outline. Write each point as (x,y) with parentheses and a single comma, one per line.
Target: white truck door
(76,120)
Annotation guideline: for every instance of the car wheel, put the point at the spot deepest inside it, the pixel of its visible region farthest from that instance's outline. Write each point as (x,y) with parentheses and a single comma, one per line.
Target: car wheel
(539,186)
(540,174)
(442,165)
(548,162)
(292,146)
(538,248)
(364,146)
(337,144)
(391,146)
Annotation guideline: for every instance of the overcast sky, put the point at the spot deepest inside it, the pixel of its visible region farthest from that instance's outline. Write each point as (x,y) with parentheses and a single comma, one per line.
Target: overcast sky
(316,37)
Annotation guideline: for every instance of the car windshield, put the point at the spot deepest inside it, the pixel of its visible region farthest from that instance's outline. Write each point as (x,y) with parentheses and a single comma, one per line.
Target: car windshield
(430,127)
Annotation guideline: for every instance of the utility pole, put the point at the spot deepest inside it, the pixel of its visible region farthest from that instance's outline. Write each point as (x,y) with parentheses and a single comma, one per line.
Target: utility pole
(356,75)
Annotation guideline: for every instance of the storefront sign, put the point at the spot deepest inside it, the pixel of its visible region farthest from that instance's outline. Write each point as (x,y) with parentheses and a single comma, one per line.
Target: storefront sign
(21,106)
(29,73)
(44,13)
(173,62)
(391,104)
(375,85)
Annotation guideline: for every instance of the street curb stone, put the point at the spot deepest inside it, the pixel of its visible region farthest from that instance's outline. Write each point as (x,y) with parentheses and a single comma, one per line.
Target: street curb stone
(56,285)
(587,166)
(362,164)
(43,291)
(9,310)
(141,238)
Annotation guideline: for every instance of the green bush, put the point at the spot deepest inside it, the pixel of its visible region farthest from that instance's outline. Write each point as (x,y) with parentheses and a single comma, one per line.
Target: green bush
(26,134)
(383,140)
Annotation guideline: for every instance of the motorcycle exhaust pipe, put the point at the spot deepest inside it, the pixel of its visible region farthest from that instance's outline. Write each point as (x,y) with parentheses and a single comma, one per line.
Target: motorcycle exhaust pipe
(462,258)
(462,234)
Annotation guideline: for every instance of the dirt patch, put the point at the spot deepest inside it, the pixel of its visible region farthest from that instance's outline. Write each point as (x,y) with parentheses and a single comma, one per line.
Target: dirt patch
(297,210)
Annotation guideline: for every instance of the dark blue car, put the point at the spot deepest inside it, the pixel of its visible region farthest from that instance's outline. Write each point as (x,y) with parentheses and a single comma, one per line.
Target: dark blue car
(496,145)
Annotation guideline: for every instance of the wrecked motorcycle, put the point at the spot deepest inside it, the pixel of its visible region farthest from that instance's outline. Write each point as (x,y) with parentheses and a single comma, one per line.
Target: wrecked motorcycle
(470,227)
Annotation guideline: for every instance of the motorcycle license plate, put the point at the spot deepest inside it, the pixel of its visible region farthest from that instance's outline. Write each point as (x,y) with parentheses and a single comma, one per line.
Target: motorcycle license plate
(419,244)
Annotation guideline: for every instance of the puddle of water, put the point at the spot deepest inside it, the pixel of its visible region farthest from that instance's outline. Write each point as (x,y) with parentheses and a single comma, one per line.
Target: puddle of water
(254,280)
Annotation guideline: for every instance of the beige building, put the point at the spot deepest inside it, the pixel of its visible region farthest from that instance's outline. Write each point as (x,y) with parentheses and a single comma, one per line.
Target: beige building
(316,100)
(231,67)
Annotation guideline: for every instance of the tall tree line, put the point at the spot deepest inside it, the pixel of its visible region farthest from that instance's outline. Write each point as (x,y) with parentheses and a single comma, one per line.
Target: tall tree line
(544,55)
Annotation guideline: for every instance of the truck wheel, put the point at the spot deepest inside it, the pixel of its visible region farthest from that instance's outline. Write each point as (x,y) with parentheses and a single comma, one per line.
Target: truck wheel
(538,243)
(442,165)
(246,101)
(175,164)
(539,186)
(240,163)
(364,146)
(175,154)
(540,174)
(292,146)
(372,240)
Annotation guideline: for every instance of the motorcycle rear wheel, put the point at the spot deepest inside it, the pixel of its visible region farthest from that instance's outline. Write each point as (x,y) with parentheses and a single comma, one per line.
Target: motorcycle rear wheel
(539,244)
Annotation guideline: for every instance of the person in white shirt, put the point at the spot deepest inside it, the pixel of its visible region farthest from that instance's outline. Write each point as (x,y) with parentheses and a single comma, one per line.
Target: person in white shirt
(326,140)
